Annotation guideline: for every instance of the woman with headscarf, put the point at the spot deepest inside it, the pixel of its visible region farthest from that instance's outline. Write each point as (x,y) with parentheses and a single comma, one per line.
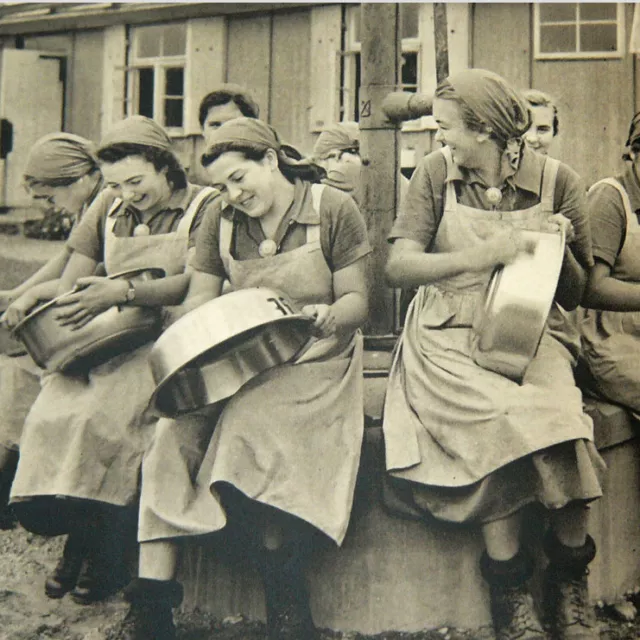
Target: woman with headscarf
(61,172)
(468,444)
(83,440)
(256,463)
(609,327)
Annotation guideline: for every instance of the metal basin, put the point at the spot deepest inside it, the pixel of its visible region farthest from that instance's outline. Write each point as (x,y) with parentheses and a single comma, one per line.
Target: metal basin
(118,329)
(516,306)
(212,351)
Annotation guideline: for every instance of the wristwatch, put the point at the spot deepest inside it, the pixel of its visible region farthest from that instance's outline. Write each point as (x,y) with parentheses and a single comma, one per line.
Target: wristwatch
(131,292)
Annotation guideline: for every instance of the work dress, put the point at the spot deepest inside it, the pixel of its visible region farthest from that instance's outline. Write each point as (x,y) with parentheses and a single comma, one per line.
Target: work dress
(85,434)
(290,438)
(611,339)
(20,381)
(473,444)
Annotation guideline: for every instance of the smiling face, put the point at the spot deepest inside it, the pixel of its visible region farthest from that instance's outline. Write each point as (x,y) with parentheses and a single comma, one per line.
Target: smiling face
(247,185)
(137,182)
(68,199)
(465,144)
(217,116)
(540,135)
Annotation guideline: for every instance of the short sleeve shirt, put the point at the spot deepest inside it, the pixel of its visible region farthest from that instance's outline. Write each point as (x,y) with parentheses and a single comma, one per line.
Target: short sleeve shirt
(423,205)
(87,237)
(607,215)
(343,232)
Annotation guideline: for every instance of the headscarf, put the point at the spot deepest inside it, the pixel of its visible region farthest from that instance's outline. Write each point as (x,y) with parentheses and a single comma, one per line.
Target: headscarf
(497,105)
(60,156)
(340,136)
(137,130)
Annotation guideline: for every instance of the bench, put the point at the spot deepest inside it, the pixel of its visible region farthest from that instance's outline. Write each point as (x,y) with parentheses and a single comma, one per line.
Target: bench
(404,575)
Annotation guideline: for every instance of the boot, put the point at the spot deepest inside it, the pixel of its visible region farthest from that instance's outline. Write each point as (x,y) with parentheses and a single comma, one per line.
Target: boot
(8,519)
(286,594)
(566,590)
(105,571)
(65,575)
(150,615)
(512,608)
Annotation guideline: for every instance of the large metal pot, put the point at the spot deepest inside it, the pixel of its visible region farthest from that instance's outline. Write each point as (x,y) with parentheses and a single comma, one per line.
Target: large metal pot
(212,351)
(118,329)
(517,303)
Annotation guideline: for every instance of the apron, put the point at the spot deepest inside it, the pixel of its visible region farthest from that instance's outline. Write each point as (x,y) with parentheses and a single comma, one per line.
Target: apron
(290,438)
(85,434)
(448,423)
(611,339)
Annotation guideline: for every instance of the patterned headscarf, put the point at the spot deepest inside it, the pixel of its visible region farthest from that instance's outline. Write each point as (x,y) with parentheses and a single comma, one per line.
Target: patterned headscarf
(137,130)
(60,156)
(340,136)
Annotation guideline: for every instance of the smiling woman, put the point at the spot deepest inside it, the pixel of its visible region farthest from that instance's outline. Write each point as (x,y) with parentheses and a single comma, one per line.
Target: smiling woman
(84,438)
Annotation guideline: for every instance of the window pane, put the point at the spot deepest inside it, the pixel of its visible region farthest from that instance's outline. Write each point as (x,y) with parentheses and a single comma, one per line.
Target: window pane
(557,39)
(557,12)
(149,39)
(409,13)
(409,71)
(598,37)
(598,11)
(173,112)
(145,92)
(174,40)
(174,81)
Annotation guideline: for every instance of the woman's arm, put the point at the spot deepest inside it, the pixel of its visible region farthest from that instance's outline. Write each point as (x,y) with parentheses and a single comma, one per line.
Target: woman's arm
(202,288)
(571,283)
(606,292)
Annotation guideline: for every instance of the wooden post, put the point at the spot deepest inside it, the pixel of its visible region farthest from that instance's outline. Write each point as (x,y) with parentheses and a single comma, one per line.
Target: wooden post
(379,148)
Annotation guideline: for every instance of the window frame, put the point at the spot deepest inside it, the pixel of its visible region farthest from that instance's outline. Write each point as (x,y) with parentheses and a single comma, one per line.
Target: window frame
(159,65)
(580,55)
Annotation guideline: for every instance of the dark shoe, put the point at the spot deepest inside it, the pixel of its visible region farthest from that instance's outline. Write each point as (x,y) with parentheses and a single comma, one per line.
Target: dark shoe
(150,614)
(568,611)
(97,582)
(512,608)
(65,575)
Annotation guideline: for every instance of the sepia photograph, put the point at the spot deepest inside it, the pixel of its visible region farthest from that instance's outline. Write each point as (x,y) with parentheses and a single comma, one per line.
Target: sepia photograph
(309,327)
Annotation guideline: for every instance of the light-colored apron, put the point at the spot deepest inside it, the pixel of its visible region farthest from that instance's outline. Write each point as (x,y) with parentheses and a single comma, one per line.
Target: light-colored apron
(85,435)
(291,437)
(447,421)
(611,339)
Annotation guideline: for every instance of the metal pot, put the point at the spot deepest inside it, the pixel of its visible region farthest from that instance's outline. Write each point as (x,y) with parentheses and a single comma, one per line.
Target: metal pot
(118,329)
(516,306)
(212,351)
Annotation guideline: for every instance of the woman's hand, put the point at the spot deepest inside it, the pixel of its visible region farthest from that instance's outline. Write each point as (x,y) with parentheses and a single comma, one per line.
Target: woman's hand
(18,310)
(557,223)
(324,325)
(502,248)
(91,296)
(6,299)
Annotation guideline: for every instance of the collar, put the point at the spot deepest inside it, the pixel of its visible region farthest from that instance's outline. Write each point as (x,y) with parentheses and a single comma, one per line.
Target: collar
(528,175)
(179,201)
(632,186)
(301,210)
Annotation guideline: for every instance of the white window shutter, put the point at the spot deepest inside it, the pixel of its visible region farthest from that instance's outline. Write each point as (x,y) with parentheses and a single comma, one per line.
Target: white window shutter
(205,68)
(114,76)
(326,26)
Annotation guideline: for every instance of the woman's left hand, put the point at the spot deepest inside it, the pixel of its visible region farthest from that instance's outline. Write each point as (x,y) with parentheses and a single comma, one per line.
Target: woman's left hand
(91,296)
(557,222)
(325,324)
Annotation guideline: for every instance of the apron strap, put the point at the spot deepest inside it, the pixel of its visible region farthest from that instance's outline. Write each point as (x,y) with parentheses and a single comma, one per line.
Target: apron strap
(225,238)
(313,230)
(110,223)
(549,174)
(626,203)
(450,199)
(184,226)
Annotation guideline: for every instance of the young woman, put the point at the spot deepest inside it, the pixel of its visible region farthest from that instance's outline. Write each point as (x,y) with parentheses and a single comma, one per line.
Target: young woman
(83,439)
(609,327)
(469,444)
(261,471)
(544,121)
(62,173)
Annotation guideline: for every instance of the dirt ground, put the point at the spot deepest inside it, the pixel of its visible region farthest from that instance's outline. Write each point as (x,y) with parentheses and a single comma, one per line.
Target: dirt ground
(25,559)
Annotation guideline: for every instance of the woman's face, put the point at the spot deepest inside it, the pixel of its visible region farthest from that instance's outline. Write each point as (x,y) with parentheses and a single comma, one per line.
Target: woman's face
(465,144)
(217,116)
(540,134)
(137,183)
(247,185)
(68,199)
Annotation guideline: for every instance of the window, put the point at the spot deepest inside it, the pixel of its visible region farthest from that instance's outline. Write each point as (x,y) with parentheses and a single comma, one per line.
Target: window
(579,30)
(350,79)
(156,74)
